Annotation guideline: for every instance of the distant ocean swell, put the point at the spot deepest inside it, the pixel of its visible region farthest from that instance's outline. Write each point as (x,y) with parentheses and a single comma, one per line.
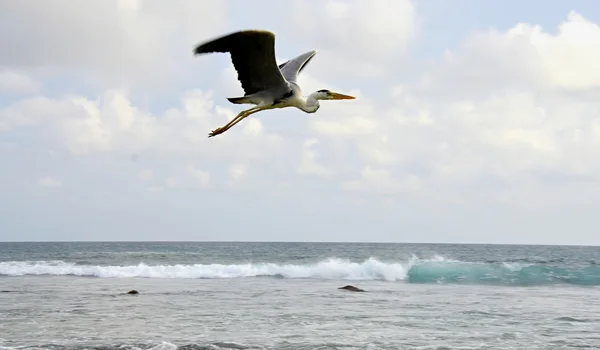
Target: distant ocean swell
(170,346)
(438,270)
(160,346)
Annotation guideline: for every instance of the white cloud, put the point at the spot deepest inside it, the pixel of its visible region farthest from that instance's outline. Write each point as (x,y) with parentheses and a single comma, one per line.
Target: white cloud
(14,82)
(112,123)
(189,176)
(508,118)
(155,189)
(524,55)
(506,138)
(200,177)
(237,173)
(309,164)
(124,41)
(383,182)
(485,113)
(49,182)
(420,139)
(146,175)
(354,38)
(525,120)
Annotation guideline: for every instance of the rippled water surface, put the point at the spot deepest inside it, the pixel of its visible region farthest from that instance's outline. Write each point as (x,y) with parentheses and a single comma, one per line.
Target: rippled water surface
(285,296)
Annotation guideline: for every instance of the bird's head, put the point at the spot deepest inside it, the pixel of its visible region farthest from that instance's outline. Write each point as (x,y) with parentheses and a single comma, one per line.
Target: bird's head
(330,95)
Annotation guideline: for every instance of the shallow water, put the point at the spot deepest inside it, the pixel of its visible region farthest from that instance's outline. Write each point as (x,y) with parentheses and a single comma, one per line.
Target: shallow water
(285,296)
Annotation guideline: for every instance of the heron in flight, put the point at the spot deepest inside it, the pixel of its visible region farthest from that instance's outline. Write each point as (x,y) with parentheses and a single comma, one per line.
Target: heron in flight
(266,84)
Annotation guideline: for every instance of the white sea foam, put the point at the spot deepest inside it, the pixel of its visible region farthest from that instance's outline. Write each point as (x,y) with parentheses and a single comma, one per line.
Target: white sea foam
(414,270)
(333,268)
(514,266)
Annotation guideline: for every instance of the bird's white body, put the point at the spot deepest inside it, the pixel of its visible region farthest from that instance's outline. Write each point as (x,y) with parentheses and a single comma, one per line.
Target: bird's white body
(310,104)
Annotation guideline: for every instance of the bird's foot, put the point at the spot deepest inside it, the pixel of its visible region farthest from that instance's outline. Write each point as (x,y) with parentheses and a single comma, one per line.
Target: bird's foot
(216,132)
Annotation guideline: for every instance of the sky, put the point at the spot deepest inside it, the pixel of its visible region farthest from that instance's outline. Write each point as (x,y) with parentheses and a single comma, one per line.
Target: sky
(475,122)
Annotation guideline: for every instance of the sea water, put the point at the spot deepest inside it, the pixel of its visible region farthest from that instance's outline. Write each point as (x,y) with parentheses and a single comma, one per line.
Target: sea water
(196,296)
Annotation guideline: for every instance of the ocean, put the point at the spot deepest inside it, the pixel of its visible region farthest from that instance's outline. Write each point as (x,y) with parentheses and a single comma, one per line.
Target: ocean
(195,296)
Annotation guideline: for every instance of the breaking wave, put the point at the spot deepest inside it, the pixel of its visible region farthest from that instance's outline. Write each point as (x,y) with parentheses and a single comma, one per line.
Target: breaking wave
(437,270)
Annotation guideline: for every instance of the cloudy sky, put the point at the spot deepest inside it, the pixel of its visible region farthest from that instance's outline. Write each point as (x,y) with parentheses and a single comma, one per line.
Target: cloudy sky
(475,122)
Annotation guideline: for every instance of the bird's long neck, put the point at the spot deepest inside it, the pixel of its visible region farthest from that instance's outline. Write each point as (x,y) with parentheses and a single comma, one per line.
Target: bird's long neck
(310,105)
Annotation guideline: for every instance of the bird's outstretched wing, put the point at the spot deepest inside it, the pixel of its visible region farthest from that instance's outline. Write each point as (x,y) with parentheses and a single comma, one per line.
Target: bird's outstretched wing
(291,68)
(253,57)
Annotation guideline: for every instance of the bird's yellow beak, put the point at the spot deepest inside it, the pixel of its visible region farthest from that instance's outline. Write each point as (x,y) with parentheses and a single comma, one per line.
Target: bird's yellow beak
(336,96)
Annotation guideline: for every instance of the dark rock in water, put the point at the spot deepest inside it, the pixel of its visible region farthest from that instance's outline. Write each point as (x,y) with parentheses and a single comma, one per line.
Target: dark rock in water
(352,288)
(133,292)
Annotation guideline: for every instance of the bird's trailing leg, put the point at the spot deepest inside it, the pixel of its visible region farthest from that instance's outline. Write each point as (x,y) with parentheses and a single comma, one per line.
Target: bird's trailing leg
(237,119)
(231,123)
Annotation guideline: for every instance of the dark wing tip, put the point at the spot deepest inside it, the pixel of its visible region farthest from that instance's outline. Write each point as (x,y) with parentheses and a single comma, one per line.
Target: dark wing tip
(223,42)
(258,31)
(283,64)
(216,45)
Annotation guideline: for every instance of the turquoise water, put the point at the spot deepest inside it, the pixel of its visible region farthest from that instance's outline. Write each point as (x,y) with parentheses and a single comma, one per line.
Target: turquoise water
(285,296)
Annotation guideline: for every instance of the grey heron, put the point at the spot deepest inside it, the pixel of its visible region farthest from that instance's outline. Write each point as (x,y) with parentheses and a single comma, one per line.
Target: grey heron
(266,84)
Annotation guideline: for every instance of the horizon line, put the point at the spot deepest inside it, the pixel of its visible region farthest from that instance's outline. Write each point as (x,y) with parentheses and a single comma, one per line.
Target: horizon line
(303,242)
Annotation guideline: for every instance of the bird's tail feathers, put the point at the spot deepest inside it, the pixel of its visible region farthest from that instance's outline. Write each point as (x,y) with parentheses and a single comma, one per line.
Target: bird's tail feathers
(239,100)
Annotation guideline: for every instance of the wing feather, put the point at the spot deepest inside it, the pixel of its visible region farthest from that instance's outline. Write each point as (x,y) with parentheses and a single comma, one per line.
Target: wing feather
(291,68)
(253,57)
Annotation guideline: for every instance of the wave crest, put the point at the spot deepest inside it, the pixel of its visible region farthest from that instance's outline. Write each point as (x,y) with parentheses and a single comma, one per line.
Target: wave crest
(415,270)
(333,268)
